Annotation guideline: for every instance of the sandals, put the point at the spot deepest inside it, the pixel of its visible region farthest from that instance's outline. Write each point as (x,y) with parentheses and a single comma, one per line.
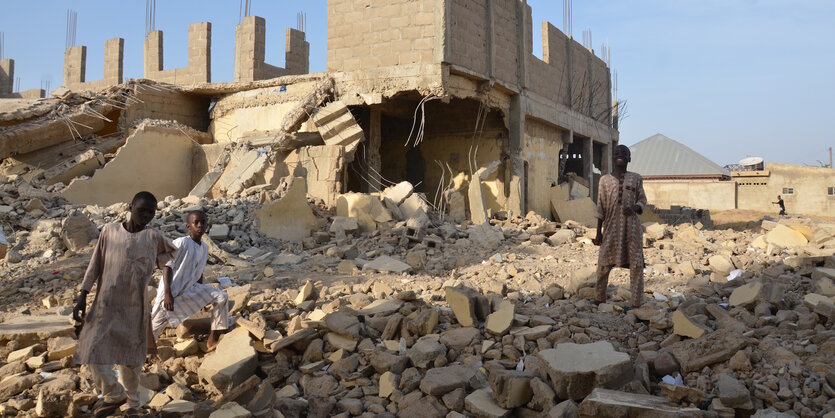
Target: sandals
(107,409)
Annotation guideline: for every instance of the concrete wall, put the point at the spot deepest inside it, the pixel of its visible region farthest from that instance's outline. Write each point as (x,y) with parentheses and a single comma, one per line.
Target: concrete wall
(156,159)
(543,143)
(167,105)
(250,49)
(698,194)
(6,77)
(757,190)
(75,66)
(199,57)
(365,34)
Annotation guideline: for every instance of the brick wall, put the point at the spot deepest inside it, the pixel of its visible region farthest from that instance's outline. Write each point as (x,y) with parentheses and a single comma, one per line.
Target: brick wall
(168,105)
(468,35)
(6,77)
(199,57)
(75,66)
(250,50)
(368,34)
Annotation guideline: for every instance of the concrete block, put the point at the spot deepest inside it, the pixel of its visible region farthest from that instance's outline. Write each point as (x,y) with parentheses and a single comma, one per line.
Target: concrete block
(233,361)
(289,218)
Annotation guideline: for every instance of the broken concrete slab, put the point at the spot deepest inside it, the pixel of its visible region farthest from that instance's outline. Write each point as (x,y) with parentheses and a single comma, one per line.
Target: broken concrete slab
(746,295)
(399,192)
(721,264)
(154,158)
(337,126)
(468,305)
(441,380)
(60,347)
(687,327)
(367,209)
(289,218)
(584,277)
(382,307)
(511,388)
(606,403)
(576,369)
(30,329)
(481,404)
(425,351)
(77,231)
(499,322)
(232,362)
(711,348)
(564,208)
(785,237)
(387,264)
(475,193)
(242,171)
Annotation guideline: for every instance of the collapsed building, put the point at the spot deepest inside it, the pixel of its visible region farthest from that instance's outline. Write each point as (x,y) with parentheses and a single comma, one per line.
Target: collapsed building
(440,94)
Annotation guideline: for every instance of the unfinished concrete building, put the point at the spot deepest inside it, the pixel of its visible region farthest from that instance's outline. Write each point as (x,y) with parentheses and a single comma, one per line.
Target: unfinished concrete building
(447,95)
(7,83)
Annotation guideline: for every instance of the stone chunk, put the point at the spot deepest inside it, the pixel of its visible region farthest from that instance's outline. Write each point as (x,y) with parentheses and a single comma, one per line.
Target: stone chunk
(60,347)
(712,348)
(345,224)
(576,369)
(441,380)
(721,264)
(482,405)
(606,403)
(289,218)
(733,393)
(785,237)
(499,322)
(655,230)
(511,388)
(746,295)
(30,329)
(425,351)
(562,236)
(399,192)
(381,307)
(219,232)
(231,410)
(231,363)
(686,327)
(388,382)
(77,231)
(386,264)
(459,338)
(468,305)
(305,293)
(14,385)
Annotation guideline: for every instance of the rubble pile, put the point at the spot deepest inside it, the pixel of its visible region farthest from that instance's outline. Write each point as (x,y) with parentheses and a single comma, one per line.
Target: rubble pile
(386,309)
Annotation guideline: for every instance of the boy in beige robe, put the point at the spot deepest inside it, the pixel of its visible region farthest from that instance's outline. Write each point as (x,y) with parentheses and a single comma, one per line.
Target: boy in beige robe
(116,330)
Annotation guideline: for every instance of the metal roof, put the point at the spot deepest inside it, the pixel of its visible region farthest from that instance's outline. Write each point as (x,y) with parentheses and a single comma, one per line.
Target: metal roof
(660,156)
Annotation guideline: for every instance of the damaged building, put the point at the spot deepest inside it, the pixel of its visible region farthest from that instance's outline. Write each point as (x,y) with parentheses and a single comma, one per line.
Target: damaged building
(447,95)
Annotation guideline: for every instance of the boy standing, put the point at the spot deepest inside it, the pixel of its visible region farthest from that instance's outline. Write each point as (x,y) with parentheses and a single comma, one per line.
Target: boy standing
(117,328)
(620,199)
(182,292)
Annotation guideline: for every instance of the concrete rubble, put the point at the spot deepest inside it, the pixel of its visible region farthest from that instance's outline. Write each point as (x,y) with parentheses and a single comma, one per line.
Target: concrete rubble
(351,299)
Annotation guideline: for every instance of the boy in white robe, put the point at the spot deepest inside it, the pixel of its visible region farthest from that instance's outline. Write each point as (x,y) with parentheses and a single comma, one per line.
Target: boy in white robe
(181,292)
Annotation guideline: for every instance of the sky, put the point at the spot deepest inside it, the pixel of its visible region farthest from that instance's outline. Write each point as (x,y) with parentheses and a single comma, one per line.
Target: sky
(730,79)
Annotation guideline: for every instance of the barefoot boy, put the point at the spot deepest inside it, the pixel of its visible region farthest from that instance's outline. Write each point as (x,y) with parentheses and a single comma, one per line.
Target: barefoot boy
(620,199)
(182,292)
(116,330)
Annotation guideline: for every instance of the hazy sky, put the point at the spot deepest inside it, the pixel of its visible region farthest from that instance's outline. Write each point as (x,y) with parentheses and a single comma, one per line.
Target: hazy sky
(730,79)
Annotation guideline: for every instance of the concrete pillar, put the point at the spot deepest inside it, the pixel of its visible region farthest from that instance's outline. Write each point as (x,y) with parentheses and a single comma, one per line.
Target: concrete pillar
(297,52)
(517,200)
(606,160)
(200,52)
(250,38)
(375,140)
(75,65)
(153,53)
(6,76)
(588,163)
(114,58)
